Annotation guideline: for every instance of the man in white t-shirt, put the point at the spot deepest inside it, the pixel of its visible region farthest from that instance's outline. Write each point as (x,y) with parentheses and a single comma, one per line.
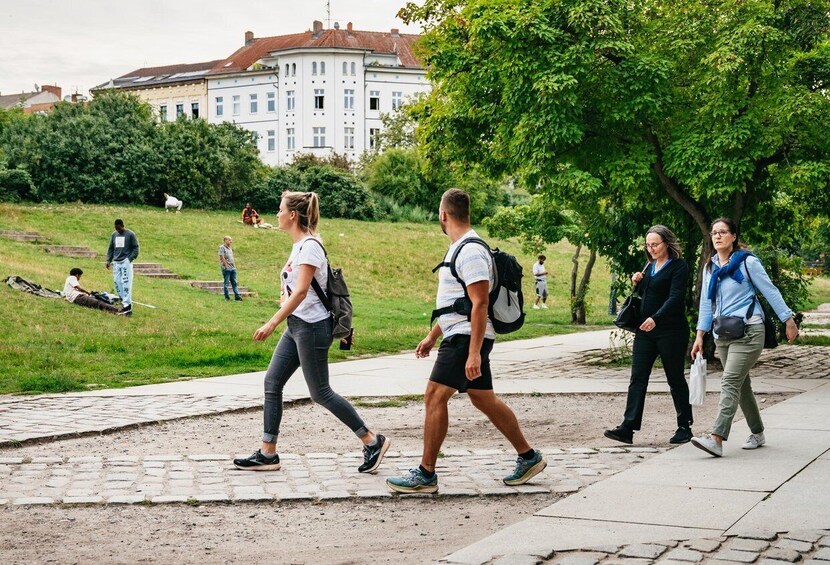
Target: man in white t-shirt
(540,275)
(463,363)
(74,293)
(172,202)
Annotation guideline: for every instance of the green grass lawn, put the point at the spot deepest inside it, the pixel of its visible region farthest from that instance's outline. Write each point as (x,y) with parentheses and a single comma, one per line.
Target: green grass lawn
(51,345)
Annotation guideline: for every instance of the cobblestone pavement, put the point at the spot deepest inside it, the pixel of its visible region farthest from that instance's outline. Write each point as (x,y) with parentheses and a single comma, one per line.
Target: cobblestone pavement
(48,417)
(315,476)
(764,548)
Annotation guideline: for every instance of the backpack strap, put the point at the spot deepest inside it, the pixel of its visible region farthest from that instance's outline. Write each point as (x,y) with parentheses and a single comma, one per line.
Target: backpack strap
(321,294)
(438,312)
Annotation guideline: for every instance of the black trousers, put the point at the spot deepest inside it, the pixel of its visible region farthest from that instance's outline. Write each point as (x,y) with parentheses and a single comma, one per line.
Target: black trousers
(671,347)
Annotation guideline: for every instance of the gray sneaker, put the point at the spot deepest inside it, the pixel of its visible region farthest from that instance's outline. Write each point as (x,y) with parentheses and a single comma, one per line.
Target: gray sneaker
(754,441)
(708,444)
(526,469)
(414,481)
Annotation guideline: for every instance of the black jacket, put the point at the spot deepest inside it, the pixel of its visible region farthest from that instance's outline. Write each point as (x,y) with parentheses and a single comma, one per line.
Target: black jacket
(664,296)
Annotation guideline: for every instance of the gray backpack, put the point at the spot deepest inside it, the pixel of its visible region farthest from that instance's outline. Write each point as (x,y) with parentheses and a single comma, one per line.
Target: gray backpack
(335,298)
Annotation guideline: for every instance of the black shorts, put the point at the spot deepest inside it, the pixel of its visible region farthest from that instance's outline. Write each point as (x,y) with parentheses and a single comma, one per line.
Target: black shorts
(449,368)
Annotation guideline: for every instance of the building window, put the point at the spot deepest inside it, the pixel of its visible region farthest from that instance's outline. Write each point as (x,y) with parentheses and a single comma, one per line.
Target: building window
(374,138)
(322,67)
(194,110)
(286,69)
(314,67)
(353,69)
(290,138)
(220,107)
(348,139)
(271,101)
(254,104)
(348,99)
(289,99)
(293,69)
(236,105)
(374,99)
(319,137)
(345,68)
(272,140)
(397,100)
(319,98)
(179,110)
(163,113)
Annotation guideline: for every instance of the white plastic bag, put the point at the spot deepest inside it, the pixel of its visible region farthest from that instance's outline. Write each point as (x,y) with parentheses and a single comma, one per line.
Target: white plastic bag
(697,381)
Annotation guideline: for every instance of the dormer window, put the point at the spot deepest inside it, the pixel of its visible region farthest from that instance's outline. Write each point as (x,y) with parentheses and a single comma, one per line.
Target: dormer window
(314,67)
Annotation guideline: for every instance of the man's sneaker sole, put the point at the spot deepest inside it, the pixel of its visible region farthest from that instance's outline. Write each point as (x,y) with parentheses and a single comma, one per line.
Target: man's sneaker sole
(611,435)
(425,489)
(274,467)
(704,448)
(532,472)
(383,451)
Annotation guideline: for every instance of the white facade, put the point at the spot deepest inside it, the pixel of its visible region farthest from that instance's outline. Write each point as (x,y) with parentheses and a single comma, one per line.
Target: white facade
(316,106)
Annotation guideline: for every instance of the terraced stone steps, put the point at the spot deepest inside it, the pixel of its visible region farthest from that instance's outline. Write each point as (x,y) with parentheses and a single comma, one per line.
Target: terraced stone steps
(154,270)
(22,235)
(216,287)
(71,251)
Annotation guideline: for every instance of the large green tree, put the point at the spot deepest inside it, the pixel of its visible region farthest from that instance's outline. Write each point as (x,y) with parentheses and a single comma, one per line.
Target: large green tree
(690,109)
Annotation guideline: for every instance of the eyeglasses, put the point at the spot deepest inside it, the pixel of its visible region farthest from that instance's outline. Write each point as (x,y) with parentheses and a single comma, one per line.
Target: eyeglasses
(720,233)
(653,245)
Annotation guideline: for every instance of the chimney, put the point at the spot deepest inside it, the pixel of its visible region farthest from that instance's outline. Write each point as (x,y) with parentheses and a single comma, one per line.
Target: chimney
(249,36)
(56,90)
(317,27)
(396,32)
(349,28)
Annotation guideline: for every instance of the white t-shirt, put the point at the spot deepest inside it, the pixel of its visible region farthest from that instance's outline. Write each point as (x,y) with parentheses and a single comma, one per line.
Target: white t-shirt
(69,291)
(171,202)
(538,269)
(474,264)
(306,252)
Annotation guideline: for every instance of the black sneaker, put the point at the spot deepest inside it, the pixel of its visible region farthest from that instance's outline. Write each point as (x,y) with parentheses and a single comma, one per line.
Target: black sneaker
(682,435)
(238,299)
(620,434)
(372,456)
(258,462)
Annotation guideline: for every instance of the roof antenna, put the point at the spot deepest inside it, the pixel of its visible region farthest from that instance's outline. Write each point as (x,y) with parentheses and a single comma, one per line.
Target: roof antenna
(328,14)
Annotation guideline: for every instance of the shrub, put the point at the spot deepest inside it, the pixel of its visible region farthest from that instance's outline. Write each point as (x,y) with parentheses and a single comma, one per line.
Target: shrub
(342,195)
(15,185)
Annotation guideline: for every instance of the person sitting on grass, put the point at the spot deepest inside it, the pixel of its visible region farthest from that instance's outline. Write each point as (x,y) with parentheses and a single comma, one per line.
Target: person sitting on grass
(250,217)
(73,292)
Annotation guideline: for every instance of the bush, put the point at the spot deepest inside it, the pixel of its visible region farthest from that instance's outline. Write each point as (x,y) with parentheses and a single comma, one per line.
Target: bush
(15,185)
(388,210)
(342,195)
(266,195)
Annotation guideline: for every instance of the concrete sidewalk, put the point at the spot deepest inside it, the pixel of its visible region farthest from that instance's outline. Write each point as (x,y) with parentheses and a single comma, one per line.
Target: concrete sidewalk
(685,494)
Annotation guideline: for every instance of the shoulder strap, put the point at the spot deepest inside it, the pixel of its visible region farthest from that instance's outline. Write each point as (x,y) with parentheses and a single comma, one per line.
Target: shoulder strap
(321,294)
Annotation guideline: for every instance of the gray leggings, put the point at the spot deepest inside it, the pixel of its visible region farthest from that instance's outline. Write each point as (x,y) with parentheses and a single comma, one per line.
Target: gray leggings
(305,345)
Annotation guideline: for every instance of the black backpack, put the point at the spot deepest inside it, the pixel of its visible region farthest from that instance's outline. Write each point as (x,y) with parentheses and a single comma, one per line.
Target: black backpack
(506,306)
(335,298)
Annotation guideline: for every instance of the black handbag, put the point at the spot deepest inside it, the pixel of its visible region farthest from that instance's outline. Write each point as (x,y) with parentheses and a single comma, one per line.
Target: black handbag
(770,330)
(729,327)
(628,318)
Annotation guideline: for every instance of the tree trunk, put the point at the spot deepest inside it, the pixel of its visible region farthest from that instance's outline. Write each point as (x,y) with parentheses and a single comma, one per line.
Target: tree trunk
(579,301)
(574,272)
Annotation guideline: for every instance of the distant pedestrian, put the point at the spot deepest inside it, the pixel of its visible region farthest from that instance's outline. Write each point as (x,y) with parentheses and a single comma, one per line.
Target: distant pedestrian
(228,265)
(305,342)
(122,251)
(663,332)
(171,202)
(463,363)
(540,275)
(74,293)
(730,282)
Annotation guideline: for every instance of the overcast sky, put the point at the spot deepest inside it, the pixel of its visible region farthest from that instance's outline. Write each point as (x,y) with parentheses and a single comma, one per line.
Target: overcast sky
(78,44)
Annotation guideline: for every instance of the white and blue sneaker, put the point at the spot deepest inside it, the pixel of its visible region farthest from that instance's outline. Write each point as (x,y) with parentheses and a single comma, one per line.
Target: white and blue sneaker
(526,469)
(414,481)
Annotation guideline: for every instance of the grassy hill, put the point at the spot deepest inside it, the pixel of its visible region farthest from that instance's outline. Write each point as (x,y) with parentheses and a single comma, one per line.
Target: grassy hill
(51,345)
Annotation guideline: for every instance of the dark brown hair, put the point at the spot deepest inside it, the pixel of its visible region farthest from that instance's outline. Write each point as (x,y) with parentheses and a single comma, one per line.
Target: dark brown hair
(456,203)
(307,207)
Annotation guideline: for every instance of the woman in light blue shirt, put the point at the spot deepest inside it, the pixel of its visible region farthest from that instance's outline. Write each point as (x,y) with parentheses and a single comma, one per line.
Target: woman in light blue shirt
(730,283)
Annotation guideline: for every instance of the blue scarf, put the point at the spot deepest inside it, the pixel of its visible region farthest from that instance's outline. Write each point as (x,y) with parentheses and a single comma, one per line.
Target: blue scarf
(731,269)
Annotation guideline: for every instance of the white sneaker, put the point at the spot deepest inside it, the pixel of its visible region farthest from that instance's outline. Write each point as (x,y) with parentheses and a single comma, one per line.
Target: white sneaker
(709,445)
(544,306)
(535,307)
(754,441)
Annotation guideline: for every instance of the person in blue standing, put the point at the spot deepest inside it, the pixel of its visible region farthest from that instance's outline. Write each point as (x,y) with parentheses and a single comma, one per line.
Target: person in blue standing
(731,280)
(121,253)
(663,332)
(228,264)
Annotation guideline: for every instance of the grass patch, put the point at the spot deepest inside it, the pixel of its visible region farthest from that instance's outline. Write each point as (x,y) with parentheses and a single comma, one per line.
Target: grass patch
(38,384)
(812,340)
(384,403)
(819,292)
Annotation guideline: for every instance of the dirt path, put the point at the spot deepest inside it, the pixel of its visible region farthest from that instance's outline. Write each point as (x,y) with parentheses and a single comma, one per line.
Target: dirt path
(411,530)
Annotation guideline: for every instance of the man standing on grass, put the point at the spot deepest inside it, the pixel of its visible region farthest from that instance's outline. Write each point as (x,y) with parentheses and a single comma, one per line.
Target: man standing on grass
(123,250)
(540,275)
(463,363)
(228,268)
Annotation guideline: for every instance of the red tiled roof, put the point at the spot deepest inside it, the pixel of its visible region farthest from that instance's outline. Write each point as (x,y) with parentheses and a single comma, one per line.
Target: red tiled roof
(378,42)
(172,69)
